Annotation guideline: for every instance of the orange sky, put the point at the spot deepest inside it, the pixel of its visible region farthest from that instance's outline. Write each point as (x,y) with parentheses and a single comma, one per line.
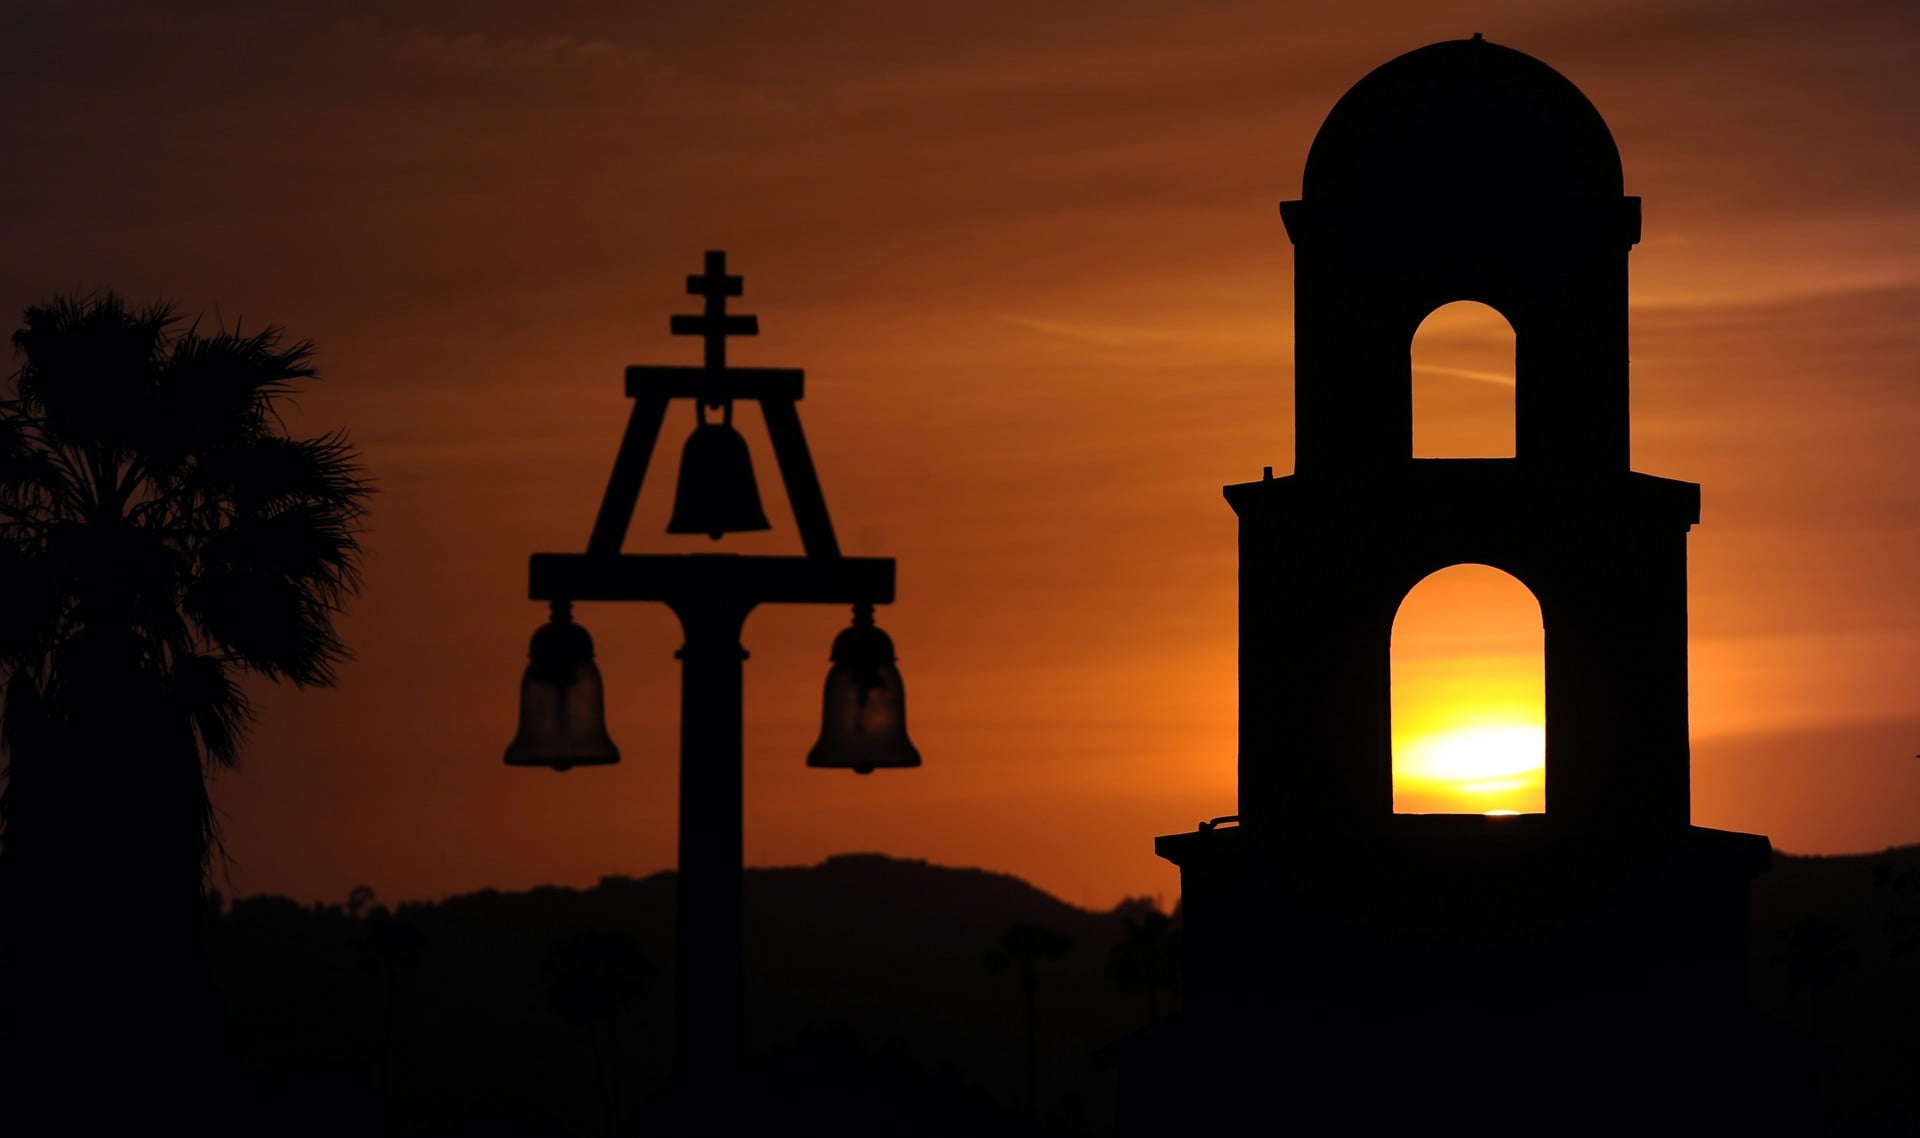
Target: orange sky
(1029,257)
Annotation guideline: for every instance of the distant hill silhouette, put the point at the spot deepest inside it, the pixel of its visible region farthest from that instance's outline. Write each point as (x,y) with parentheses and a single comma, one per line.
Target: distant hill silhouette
(1836,952)
(874,961)
(866,987)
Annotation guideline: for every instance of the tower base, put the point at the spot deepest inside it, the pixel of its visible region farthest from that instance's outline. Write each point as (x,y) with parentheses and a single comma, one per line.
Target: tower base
(1471,970)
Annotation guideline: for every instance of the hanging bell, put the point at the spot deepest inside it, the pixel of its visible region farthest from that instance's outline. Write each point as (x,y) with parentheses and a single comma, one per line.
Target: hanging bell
(563,719)
(717,493)
(863,724)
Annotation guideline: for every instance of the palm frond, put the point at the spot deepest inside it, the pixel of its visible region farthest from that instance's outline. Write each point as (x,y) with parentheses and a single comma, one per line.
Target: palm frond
(91,368)
(23,717)
(267,623)
(215,392)
(272,470)
(34,609)
(25,467)
(207,696)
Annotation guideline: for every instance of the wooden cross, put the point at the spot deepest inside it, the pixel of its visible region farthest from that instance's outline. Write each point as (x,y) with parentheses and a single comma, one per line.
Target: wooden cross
(715,324)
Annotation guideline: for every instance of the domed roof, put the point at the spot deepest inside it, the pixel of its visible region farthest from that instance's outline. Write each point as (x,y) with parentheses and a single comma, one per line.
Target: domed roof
(1463,119)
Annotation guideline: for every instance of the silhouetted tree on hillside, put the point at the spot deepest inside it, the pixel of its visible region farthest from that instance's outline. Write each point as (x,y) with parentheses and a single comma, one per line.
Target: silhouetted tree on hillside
(1023,946)
(1813,952)
(1902,923)
(161,536)
(389,950)
(591,978)
(1147,958)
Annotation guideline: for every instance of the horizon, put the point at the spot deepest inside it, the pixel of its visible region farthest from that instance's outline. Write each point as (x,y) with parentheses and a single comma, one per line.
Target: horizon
(1031,264)
(1164,904)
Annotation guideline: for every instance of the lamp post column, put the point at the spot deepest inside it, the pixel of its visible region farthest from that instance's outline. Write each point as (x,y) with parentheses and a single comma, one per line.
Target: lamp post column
(709,1013)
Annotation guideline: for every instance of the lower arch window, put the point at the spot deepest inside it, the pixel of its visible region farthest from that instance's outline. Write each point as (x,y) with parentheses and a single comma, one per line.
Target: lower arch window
(1469,696)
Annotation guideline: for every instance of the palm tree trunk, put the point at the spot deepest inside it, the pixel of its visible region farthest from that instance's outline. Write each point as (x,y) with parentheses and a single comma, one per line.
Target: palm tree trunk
(386,1046)
(1027,982)
(613,1069)
(103,919)
(600,1076)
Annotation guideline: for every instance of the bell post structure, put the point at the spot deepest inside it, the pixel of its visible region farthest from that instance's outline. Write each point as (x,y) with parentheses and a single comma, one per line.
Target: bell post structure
(864,715)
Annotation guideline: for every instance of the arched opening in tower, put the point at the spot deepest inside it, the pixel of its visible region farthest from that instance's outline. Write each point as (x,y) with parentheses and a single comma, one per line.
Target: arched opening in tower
(1462,361)
(1469,696)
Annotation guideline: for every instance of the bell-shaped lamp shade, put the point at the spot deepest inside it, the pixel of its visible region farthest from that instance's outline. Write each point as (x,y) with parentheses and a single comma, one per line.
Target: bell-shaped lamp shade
(563,717)
(863,724)
(717,493)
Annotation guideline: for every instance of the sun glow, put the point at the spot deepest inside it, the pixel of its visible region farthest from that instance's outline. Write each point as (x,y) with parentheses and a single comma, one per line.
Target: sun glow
(1486,768)
(1469,696)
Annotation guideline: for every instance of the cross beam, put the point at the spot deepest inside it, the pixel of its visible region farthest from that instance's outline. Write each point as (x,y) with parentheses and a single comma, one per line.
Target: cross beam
(715,324)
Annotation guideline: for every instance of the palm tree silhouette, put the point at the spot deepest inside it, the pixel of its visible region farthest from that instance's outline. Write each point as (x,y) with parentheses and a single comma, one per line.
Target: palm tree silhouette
(389,950)
(591,978)
(1147,958)
(1023,945)
(1814,955)
(161,536)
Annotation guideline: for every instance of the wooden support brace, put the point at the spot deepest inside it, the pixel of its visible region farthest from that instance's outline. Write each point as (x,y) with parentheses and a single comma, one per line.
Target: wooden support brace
(629,467)
(803,483)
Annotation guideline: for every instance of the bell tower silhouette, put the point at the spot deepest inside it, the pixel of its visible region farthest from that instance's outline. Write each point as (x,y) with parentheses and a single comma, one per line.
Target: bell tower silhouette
(1464,171)
(1572,950)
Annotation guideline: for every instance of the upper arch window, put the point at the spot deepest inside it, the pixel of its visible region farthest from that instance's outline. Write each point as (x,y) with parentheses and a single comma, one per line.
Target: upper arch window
(1462,359)
(1469,696)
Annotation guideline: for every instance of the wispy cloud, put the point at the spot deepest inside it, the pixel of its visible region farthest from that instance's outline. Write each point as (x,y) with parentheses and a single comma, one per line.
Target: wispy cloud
(1494,378)
(488,52)
(1104,335)
(1233,340)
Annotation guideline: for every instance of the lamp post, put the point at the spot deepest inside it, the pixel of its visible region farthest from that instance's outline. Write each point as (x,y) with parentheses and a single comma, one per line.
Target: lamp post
(562,723)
